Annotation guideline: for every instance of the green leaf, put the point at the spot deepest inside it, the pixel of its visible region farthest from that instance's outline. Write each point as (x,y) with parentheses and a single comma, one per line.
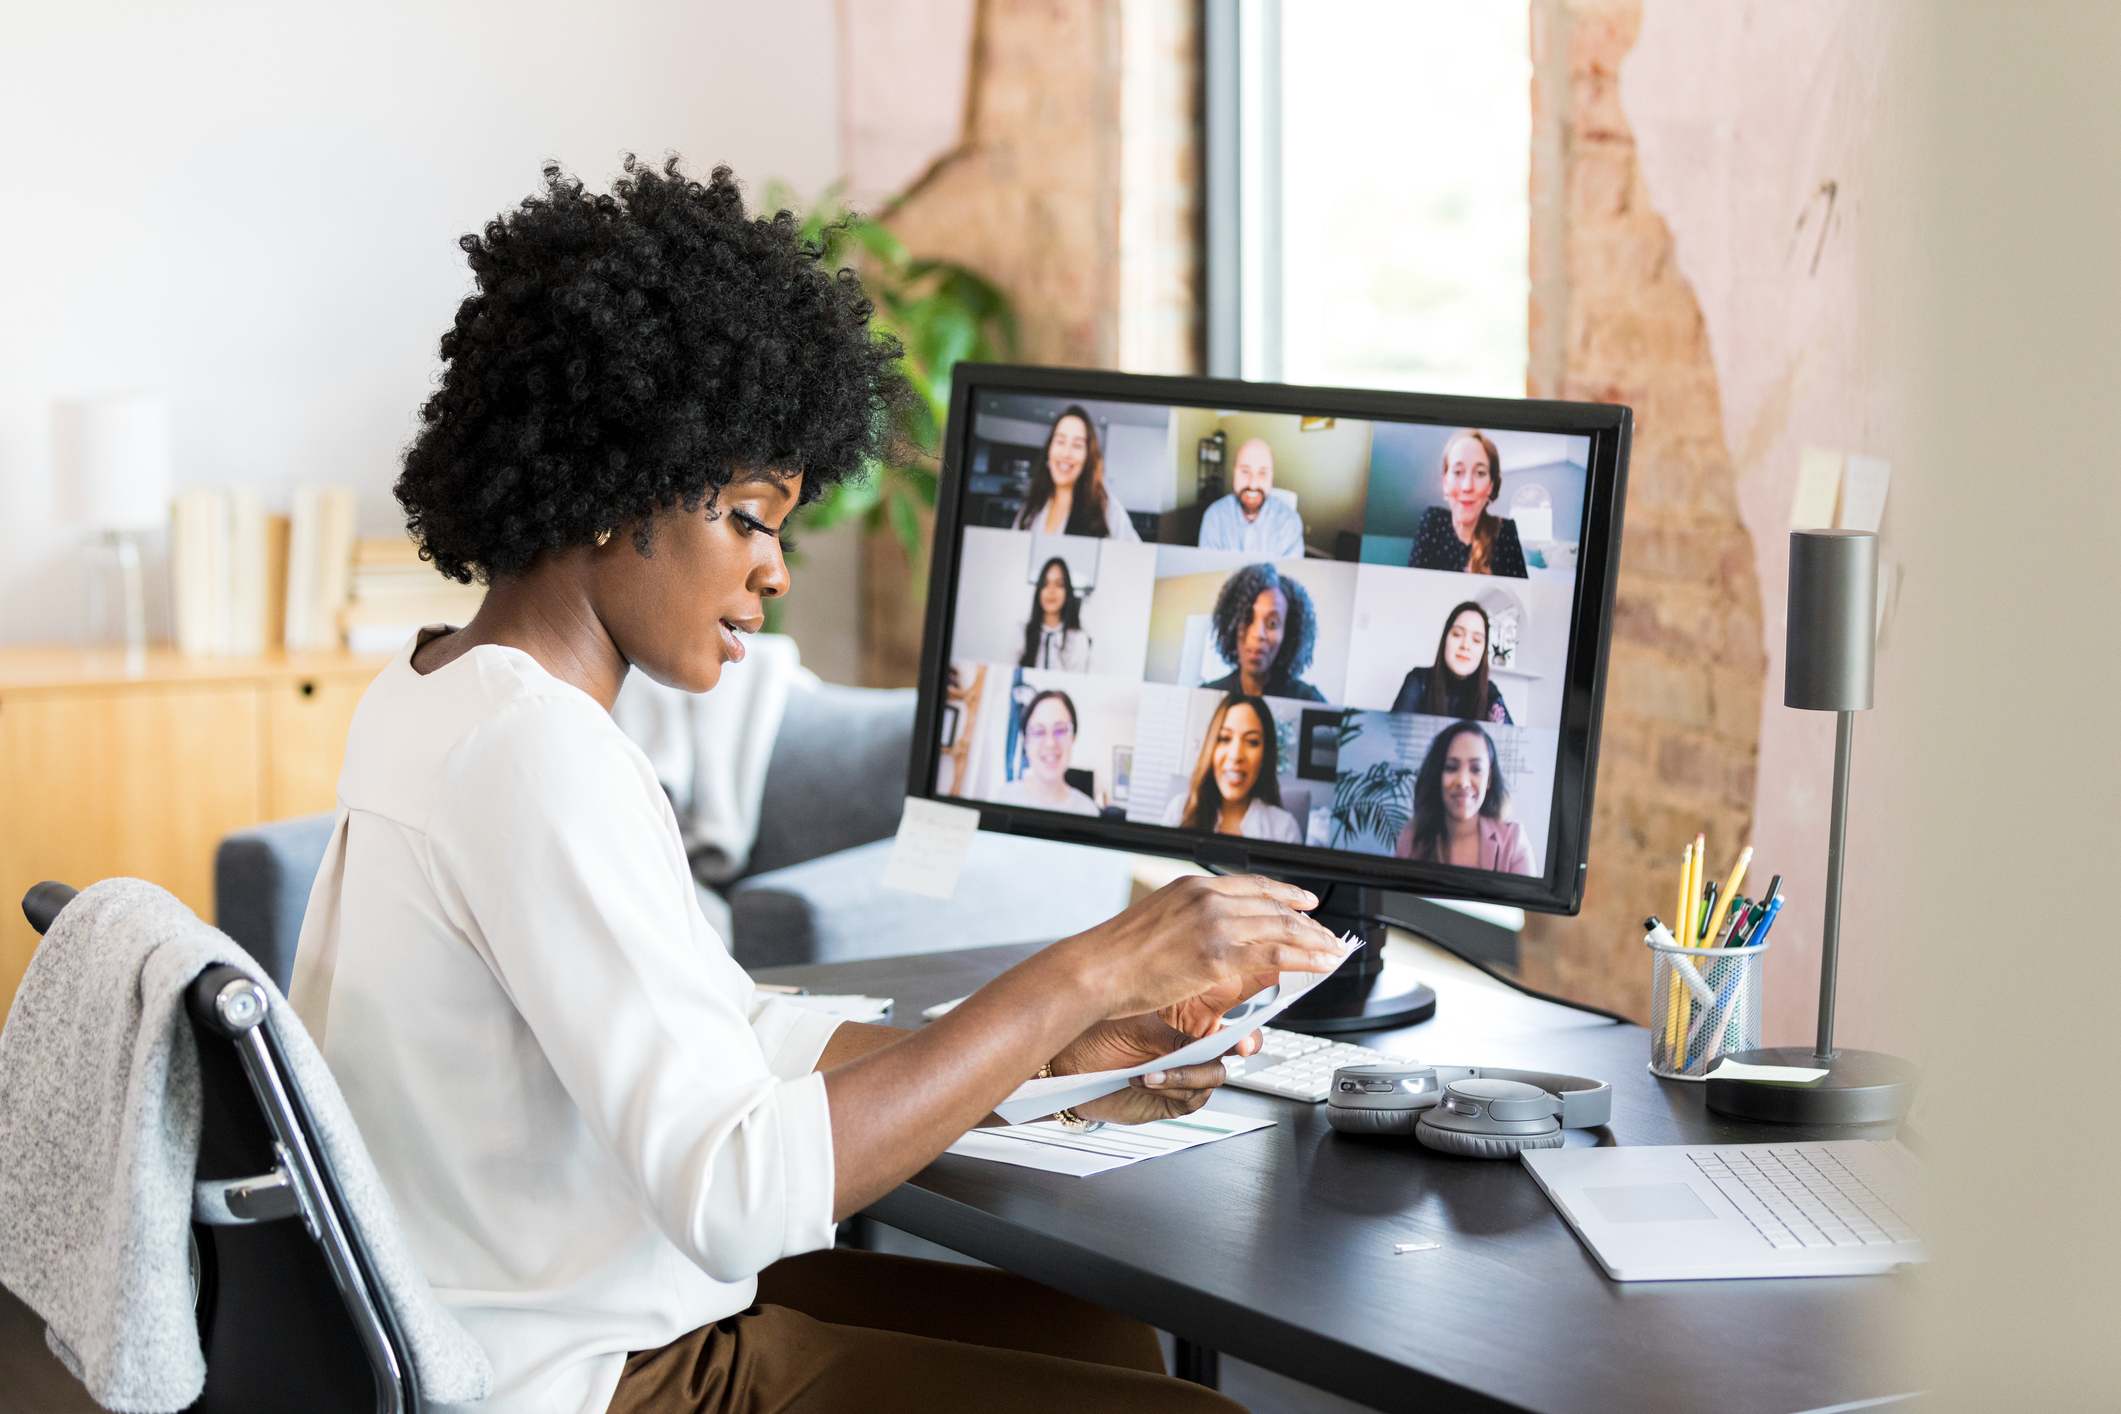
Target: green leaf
(906,525)
(874,237)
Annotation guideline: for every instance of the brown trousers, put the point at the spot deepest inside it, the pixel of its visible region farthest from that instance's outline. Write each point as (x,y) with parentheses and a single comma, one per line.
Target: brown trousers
(845,1330)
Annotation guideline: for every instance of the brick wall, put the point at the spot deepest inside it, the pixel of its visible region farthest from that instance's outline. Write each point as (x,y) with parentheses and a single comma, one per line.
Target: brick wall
(1077,180)
(1612,319)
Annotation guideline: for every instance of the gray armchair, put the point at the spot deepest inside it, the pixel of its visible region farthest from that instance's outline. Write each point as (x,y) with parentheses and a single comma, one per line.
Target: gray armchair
(813,890)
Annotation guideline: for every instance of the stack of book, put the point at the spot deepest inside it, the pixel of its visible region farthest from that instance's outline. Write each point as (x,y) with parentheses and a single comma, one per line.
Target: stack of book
(394,593)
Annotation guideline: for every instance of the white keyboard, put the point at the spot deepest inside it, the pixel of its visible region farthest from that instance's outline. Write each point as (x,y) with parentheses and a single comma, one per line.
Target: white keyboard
(1296,1066)
(1802,1195)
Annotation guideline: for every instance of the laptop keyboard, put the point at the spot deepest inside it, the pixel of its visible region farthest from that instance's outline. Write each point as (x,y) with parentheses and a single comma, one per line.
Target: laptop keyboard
(1802,1195)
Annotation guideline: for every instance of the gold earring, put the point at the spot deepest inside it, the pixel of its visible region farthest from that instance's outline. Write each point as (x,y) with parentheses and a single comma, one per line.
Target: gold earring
(603,537)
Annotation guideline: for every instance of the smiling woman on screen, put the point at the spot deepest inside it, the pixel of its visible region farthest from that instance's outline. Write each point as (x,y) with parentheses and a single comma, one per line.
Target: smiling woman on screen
(1235,789)
(1463,534)
(1068,492)
(607,1149)
(1456,684)
(1460,803)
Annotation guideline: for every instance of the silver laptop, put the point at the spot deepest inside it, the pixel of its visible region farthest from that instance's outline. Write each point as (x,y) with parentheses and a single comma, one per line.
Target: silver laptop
(1688,1212)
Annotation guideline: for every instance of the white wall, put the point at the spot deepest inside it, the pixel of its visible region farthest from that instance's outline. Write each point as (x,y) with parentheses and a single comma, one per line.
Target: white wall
(255,208)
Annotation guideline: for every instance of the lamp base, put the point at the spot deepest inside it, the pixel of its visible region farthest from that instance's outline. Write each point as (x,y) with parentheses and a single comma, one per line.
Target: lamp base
(1860,1087)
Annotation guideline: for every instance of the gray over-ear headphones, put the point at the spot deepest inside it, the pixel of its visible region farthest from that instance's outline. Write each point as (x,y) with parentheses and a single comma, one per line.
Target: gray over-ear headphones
(1480,1111)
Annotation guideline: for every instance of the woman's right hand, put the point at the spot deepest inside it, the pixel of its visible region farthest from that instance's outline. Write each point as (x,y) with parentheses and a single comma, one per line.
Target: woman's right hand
(1201,933)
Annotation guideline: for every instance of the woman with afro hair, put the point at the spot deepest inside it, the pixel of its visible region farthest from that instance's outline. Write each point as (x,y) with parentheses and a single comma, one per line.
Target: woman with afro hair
(601,1140)
(1264,623)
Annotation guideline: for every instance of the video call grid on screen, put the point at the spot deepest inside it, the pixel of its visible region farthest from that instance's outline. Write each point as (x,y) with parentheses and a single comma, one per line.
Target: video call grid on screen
(1334,638)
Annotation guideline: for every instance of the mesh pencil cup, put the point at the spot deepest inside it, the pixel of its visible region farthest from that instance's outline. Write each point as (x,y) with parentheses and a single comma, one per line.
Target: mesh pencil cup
(1704,1003)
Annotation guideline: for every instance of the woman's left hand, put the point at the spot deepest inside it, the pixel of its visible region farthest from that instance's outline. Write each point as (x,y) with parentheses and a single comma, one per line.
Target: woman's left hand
(1128,1041)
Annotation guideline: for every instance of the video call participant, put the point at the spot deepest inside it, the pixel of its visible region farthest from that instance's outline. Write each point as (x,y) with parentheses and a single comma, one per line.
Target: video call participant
(1048,731)
(1462,534)
(1264,623)
(1053,634)
(1068,491)
(1249,518)
(1234,789)
(1456,684)
(1459,804)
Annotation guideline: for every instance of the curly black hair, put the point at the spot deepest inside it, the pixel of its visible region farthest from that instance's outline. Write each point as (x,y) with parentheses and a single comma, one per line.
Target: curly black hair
(629,352)
(1233,613)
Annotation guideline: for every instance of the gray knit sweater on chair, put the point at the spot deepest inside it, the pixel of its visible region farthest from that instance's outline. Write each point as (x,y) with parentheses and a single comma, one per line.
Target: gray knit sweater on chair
(99,1137)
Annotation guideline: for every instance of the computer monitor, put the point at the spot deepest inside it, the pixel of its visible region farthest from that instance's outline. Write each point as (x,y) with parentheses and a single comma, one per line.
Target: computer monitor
(1351,638)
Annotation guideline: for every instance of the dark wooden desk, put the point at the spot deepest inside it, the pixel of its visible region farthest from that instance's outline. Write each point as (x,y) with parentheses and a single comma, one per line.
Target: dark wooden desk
(1276,1247)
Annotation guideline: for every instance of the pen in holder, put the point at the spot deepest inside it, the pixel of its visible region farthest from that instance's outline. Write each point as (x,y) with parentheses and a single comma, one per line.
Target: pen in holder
(1704,1003)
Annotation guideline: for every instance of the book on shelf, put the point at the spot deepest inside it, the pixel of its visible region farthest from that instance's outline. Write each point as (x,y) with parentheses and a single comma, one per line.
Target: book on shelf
(228,565)
(319,566)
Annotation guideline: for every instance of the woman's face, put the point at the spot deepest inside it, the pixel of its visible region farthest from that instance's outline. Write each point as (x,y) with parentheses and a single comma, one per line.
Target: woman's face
(1068,452)
(1240,745)
(1465,776)
(1465,644)
(1053,592)
(1261,641)
(1468,480)
(1049,739)
(679,614)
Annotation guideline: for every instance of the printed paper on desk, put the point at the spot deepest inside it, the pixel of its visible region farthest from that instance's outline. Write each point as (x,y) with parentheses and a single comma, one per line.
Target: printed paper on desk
(930,848)
(1035,1099)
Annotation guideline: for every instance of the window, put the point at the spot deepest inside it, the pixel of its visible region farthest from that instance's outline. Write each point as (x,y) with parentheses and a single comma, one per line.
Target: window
(1369,172)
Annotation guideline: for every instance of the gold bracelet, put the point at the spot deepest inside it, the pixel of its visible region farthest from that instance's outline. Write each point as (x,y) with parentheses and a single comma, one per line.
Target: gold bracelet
(1066,1117)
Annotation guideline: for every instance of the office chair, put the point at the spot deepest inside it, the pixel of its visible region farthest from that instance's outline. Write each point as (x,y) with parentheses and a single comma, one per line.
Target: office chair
(291,1314)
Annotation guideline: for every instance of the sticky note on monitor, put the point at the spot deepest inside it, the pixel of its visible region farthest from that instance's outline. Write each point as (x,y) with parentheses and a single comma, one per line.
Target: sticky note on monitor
(929,850)
(1818,489)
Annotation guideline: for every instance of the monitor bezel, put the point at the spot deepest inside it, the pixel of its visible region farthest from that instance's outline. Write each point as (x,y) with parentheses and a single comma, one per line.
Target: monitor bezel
(1608,425)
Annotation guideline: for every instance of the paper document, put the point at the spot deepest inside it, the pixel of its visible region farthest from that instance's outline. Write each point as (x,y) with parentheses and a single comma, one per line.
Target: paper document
(1792,1074)
(1035,1099)
(1049,1147)
(845,1006)
(930,848)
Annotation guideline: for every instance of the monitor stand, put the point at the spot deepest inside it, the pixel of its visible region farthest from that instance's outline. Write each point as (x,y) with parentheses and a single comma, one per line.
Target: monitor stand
(1367,993)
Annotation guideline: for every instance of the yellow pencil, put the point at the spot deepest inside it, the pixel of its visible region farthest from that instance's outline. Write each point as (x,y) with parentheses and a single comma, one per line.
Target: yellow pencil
(1692,937)
(1676,993)
(1730,891)
(1677,1006)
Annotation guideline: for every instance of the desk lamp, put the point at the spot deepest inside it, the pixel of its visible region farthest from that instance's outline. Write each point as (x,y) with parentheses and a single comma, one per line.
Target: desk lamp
(1827,667)
(115,464)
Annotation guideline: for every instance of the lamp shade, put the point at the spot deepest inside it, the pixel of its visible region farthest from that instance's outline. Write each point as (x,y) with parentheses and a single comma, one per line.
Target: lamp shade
(113,461)
(1833,620)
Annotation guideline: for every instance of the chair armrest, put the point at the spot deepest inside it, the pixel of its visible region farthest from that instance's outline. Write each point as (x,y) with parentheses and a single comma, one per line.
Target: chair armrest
(837,776)
(262,878)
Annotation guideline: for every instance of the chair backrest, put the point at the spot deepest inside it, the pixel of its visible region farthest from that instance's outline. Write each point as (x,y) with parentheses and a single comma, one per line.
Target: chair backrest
(291,1314)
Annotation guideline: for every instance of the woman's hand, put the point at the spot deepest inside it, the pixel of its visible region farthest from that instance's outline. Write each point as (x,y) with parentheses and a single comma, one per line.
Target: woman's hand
(1161,1094)
(1202,936)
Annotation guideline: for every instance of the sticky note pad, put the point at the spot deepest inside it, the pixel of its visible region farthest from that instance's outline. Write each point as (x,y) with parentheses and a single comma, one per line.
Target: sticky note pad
(1863,487)
(1818,489)
(1786,1074)
(930,847)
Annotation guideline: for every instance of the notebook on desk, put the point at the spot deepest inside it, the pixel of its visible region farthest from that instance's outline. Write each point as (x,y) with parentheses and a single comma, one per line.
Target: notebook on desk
(1688,1212)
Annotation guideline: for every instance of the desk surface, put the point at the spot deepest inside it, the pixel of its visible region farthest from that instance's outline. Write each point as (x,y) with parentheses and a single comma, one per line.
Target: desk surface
(1276,1247)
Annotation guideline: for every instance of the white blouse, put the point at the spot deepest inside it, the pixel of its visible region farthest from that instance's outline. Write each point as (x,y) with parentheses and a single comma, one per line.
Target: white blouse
(1065,648)
(595,1132)
(1262,821)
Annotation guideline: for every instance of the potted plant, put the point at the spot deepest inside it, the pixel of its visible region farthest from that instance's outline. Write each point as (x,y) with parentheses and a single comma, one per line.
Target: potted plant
(943,314)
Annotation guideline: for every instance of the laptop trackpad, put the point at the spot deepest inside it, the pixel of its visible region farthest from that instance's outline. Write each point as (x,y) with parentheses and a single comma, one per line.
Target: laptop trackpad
(1649,1203)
